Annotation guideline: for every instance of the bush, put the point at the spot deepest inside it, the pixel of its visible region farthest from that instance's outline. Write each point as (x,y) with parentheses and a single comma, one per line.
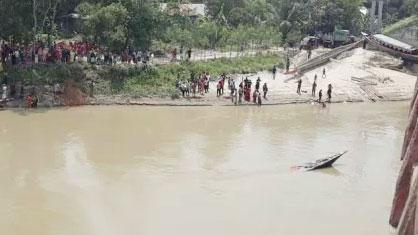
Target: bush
(47,74)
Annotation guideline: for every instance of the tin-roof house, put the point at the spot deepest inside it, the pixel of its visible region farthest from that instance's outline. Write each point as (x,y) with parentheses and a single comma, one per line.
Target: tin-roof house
(194,11)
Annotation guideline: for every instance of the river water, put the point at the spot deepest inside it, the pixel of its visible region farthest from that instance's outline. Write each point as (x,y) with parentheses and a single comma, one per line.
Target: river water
(202,170)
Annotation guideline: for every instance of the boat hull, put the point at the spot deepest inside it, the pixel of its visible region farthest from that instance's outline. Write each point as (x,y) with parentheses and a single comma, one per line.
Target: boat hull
(324,163)
(377,45)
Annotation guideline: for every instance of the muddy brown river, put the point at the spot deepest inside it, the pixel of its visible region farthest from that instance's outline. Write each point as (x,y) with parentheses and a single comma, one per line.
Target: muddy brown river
(202,170)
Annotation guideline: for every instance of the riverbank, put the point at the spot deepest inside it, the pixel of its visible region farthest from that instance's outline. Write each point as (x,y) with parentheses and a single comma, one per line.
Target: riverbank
(356,76)
(82,83)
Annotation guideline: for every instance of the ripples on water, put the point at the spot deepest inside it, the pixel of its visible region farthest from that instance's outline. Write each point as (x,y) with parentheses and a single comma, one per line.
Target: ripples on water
(218,170)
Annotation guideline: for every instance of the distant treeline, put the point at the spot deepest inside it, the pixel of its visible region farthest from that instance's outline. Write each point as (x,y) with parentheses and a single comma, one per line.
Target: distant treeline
(118,24)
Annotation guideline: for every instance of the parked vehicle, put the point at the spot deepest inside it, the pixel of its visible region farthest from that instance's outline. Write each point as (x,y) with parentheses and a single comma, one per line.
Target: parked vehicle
(309,42)
(337,38)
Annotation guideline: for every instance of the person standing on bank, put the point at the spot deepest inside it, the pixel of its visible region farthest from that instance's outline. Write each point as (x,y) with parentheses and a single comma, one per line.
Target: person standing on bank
(4,92)
(91,86)
(324,73)
(218,89)
(299,85)
(274,72)
(255,96)
(320,96)
(329,92)
(257,84)
(259,101)
(240,94)
(314,85)
(265,90)
(189,54)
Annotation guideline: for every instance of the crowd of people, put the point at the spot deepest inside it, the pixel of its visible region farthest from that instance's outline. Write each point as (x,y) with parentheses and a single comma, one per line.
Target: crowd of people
(245,91)
(200,85)
(67,52)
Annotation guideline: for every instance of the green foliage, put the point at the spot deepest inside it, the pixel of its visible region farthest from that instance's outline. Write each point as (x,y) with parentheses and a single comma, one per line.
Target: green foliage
(14,20)
(145,22)
(140,23)
(118,25)
(411,6)
(105,25)
(410,21)
(47,74)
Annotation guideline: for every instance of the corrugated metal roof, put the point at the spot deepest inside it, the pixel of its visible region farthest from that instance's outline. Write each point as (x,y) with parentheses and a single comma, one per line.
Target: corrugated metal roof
(188,9)
(394,42)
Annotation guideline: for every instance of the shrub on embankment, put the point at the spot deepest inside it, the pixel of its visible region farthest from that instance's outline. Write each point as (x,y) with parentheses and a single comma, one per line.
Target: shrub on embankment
(47,74)
(135,80)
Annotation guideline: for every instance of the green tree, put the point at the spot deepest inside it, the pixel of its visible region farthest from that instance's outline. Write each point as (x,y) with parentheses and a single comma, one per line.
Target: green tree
(118,25)
(15,20)
(145,22)
(411,6)
(219,10)
(105,25)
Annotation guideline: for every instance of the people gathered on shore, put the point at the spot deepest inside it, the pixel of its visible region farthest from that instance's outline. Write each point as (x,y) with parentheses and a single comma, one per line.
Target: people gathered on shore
(246,92)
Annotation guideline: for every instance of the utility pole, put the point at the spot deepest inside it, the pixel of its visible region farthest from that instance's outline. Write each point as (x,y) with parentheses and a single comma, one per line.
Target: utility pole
(380,17)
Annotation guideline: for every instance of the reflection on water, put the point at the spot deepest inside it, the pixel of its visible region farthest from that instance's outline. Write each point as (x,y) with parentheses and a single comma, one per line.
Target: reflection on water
(217,170)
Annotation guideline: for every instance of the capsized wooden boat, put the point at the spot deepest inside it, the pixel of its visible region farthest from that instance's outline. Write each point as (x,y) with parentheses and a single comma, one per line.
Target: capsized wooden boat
(323,163)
